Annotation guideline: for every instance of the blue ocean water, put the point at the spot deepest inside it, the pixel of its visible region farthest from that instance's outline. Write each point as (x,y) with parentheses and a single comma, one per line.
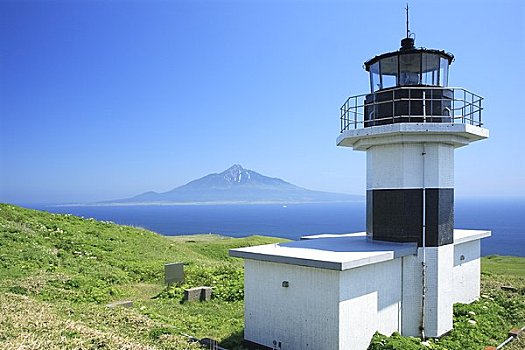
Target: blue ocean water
(506,219)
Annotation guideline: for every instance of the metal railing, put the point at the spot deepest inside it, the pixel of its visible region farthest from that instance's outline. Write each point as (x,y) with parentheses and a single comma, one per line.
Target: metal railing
(412,104)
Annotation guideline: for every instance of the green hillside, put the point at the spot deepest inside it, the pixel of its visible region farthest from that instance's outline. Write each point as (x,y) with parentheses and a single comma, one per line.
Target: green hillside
(58,272)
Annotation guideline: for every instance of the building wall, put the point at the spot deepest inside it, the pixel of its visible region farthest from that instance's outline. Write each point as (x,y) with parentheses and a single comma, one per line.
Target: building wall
(411,304)
(400,165)
(302,316)
(370,301)
(328,309)
(321,309)
(439,292)
(466,271)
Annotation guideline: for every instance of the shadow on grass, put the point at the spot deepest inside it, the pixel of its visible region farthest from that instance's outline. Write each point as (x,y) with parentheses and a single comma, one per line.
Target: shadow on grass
(234,341)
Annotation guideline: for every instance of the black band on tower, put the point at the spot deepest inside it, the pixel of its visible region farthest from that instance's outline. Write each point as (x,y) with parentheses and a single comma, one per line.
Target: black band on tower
(396,215)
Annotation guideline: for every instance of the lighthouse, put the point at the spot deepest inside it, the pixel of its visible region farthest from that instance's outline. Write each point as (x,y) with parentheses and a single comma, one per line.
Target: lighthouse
(409,125)
(404,274)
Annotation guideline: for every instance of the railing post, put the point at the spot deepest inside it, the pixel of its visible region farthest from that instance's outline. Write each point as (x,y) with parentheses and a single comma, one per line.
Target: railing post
(409,105)
(341,119)
(471,112)
(373,123)
(453,106)
(356,112)
(346,116)
(478,106)
(393,106)
(424,106)
(463,106)
(431,102)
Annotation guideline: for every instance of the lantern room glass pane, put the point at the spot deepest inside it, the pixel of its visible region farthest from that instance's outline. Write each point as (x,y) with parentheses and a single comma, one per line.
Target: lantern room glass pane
(430,69)
(409,69)
(443,71)
(375,78)
(388,71)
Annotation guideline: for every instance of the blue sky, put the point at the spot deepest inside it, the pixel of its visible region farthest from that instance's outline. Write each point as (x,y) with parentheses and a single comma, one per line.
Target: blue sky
(108,99)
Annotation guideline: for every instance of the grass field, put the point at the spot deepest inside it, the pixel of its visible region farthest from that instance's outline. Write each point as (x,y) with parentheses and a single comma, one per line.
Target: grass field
(58,272)
(504,265)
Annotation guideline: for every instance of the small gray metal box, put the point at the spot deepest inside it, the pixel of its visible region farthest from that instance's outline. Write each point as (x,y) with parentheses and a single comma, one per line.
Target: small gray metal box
(174,273)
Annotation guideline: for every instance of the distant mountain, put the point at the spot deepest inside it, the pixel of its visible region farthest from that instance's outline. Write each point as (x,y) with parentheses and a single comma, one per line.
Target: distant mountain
(238,185)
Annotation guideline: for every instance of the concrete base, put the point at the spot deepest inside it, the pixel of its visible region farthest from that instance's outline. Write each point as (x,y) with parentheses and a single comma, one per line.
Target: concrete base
(197,294)
(341,289)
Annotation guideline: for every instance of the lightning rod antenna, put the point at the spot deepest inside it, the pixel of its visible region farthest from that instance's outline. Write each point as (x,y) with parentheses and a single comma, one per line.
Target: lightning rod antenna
(408,31)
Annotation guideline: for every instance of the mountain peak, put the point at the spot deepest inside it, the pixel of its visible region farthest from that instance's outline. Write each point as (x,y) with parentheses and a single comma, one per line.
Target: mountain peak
(235,167)
(236,174)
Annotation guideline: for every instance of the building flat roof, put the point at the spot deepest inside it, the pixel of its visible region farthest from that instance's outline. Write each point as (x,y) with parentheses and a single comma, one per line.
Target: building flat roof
(463,236)
(339,251)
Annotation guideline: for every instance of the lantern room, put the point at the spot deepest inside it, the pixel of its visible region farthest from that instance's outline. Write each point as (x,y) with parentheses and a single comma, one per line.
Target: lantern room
(409,85)
(409,67)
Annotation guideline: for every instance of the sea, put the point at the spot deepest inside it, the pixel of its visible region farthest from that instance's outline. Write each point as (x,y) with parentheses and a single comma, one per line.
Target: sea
(505,218)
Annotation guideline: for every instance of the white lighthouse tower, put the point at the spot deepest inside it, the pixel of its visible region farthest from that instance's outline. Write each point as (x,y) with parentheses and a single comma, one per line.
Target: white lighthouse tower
(409,125)
(410,266)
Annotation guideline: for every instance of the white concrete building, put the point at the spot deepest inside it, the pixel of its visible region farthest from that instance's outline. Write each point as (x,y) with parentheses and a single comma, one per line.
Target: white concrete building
(410,266)
(336,291)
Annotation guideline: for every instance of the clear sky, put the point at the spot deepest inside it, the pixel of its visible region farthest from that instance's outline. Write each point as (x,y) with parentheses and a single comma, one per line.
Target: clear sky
(108,99)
